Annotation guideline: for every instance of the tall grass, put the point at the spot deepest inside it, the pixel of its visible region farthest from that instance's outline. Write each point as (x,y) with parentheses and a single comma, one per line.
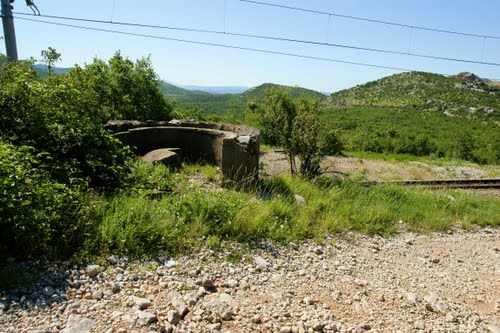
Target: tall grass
(137,224)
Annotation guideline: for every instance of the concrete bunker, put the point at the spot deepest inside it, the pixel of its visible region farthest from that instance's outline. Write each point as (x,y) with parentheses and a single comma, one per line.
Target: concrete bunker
(233,148)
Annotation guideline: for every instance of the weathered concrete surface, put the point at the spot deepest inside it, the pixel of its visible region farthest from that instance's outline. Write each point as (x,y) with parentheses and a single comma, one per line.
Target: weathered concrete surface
(235,149)
(164,156)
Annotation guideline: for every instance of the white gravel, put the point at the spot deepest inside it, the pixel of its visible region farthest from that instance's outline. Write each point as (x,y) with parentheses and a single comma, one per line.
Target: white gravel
(408,283)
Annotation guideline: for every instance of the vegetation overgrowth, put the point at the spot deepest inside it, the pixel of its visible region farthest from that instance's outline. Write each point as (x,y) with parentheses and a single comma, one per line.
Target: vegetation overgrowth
(415,113)
(67,187)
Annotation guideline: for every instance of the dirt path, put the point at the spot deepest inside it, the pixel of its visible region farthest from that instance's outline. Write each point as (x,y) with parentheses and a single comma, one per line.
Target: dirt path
(275,163)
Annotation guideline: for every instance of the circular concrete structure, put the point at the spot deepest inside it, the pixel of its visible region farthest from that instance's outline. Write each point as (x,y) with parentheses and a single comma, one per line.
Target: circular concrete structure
(233,148)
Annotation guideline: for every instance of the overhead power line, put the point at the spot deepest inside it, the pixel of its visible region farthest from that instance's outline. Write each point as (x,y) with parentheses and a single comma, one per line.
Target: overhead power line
(371,20)
(352,47)
(399,69)
(295,55)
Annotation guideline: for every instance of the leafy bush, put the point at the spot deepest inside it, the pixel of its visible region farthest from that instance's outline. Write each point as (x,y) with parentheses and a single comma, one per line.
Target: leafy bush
(124,89)
(55,117)
(39,214)
(295,125)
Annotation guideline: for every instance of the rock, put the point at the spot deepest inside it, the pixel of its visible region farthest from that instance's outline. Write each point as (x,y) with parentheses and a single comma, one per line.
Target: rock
(213,327)
(419,325)
(468,76)
(412,298)
(178,303)
(191,299)
(164,156)
(141,303)
(98,294)
(441,306)
(256,319)
(318,250)
(170,263)
(244,139)
(286,329)
(93,270)
(318,326)
(231,283)
(167,328)
(365,326)
(261,262)
(222,306)
(113,259)
(299,199)
(48,291)
(493,329)
(173,317)
(145,318)
(431,298)
(78,324)
(450,318)
(175,122)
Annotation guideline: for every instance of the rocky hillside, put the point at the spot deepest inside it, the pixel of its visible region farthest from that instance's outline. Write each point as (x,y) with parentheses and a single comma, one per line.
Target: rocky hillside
(462,95)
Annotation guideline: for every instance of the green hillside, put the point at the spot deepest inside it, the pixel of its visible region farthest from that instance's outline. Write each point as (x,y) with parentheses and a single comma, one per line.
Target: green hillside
(469,97)
(219,104)
(172,91)
(420,114)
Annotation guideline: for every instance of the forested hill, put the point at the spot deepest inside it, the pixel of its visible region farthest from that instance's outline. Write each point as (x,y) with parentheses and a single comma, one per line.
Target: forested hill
(461,95)
(223,103)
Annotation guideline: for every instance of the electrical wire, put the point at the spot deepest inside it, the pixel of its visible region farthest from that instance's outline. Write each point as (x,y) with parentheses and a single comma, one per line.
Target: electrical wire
(370,20)
(399,69)
(359,48)
(364,64)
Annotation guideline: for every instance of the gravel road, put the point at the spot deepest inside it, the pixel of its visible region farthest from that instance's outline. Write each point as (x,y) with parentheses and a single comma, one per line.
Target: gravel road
(407,283)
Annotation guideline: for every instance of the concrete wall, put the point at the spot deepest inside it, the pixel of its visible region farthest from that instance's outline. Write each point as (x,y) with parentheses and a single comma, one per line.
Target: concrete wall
(235,149)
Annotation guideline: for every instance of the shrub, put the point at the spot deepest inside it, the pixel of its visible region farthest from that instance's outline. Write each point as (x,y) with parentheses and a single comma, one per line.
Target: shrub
(55,117)
(124,89)
(295,125)
(39,214)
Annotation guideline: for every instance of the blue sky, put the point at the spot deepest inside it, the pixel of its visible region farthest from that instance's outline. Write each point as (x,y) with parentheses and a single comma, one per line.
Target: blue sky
(186,63)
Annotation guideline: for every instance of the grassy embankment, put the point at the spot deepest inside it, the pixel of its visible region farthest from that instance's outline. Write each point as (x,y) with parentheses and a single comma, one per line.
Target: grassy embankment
(142,223)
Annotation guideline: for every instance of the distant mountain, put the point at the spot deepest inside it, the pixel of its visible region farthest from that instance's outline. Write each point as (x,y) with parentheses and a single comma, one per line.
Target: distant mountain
(173,91)
(462,95)
(216,89)
(222,103)
(43,71)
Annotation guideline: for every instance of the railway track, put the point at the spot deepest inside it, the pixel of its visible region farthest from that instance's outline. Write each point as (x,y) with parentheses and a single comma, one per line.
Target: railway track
(488,183)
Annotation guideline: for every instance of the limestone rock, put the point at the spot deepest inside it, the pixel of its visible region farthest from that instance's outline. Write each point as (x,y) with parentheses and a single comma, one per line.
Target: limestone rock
(78,324)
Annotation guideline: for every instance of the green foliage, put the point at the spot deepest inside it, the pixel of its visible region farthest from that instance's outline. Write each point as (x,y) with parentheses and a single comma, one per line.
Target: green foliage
(57,118)
(294,125)
(50,57)
(137,225)
(222,104)
(54,150)
(330,143)
(124,89)
(38,213)
(419,133)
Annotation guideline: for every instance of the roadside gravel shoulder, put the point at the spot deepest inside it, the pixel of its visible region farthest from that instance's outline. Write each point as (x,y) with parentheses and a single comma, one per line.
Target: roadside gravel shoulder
(407,283)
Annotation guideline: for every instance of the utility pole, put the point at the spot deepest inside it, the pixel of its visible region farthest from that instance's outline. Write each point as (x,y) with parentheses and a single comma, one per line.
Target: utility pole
(8,30)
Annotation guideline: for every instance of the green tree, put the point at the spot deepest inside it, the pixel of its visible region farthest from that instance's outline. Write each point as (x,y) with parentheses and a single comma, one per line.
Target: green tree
(296,126)
(124,89)
(278,115)
(50,56)
(306,135)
